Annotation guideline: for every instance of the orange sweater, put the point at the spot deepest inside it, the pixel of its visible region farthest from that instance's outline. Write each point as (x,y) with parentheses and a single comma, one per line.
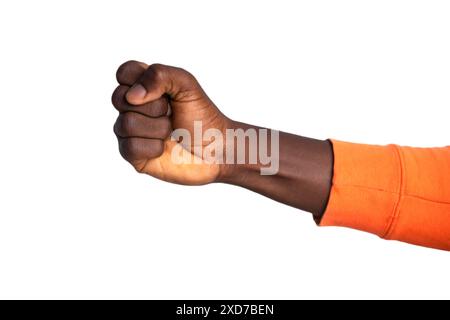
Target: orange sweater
(397,193)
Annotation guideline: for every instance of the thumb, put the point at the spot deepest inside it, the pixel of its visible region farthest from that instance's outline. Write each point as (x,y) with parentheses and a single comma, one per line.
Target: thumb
(158,80)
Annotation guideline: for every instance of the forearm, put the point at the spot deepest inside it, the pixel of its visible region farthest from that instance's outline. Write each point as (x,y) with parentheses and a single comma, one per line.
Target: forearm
(304,176)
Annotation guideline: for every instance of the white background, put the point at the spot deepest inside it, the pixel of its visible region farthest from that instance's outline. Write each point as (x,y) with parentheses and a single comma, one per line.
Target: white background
(76,220)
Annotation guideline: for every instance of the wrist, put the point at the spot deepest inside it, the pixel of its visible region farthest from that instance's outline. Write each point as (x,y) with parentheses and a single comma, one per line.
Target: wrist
(234,172)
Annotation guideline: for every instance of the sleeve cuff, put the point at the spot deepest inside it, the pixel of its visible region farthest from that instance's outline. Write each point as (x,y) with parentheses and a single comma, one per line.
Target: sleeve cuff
(397,193)
(365,188)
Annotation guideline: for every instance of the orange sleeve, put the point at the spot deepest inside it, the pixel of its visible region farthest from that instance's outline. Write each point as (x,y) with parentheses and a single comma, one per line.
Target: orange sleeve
(397,193)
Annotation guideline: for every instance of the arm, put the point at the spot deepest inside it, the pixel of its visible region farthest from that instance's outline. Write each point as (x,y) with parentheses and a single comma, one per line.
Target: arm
(394,192)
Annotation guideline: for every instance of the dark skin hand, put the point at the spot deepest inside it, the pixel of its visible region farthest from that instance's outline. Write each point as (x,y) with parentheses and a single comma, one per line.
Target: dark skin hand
(145,96)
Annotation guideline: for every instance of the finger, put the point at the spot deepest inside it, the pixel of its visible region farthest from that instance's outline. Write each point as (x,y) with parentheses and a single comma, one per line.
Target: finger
(158,80)
(134,149)
(156,108)
(132,124)
(129,72)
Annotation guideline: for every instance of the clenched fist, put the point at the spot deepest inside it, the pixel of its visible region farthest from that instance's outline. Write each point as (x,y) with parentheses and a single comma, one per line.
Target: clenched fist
(153,101)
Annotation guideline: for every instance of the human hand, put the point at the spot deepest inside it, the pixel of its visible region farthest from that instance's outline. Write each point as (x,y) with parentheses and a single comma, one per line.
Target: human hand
(144,126)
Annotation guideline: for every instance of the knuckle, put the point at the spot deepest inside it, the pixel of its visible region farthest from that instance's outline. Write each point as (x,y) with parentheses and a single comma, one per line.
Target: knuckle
(157,70)
(127,123)
(116,127)
(123,68)
(118,96)
(130,149)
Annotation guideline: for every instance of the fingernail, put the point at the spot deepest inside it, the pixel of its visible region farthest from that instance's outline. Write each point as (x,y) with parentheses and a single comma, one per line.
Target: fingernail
(137,91)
